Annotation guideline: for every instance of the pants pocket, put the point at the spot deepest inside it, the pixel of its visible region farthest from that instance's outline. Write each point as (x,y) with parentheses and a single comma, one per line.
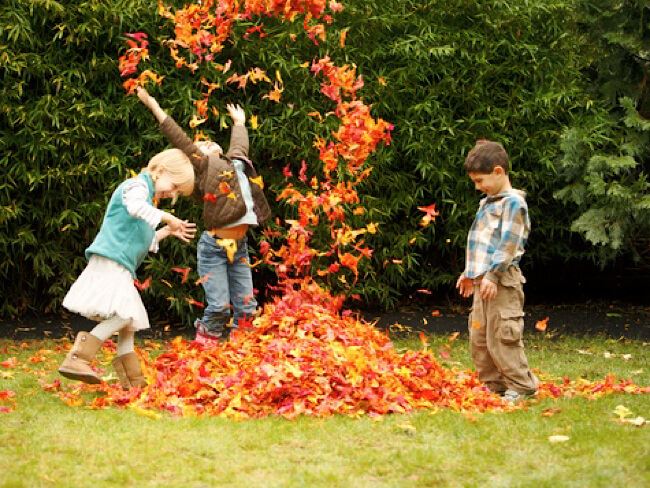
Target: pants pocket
(511,326)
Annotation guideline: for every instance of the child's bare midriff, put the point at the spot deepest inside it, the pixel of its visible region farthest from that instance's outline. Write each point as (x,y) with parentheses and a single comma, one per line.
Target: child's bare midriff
(237,232)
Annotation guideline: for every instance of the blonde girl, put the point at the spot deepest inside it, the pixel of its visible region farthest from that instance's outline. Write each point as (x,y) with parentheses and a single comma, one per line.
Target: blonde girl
(105,290)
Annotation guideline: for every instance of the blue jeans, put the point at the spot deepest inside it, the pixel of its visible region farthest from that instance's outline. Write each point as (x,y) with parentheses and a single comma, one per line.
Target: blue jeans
(227,283)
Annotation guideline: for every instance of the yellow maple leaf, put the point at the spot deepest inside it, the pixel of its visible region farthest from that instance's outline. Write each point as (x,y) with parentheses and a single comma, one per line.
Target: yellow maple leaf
(253,120)
(230,246)
(196,121)
(258,181)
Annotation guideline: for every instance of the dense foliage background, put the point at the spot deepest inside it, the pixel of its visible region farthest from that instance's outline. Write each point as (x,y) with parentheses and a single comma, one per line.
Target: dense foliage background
(535,75)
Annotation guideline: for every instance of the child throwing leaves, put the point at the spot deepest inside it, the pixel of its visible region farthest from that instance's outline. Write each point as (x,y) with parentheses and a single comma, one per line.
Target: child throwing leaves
(233,201)
(105,290)
(495,245)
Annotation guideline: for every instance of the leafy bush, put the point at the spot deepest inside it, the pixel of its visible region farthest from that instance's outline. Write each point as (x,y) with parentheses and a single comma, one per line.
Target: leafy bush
(605,156)
(445,73)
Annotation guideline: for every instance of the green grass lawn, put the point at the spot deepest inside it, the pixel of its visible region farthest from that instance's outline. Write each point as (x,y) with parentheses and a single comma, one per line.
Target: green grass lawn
(43,442)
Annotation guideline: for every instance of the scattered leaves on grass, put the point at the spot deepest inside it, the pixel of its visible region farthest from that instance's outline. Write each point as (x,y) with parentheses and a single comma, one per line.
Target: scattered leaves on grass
(549,412)
(625,416)
(558,438)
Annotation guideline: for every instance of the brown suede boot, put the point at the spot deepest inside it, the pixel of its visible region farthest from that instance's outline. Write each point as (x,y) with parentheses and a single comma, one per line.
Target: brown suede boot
(129,371)
(76,364)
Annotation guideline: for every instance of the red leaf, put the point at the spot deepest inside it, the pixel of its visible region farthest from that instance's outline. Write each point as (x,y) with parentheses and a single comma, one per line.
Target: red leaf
(142,285)
(210,197)
(184,272)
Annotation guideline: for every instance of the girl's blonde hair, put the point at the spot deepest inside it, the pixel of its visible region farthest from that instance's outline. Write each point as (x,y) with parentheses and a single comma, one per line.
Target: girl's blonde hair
(178,165)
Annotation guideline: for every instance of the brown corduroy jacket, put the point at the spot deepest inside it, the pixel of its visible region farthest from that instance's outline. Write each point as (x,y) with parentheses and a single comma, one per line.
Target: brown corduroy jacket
(211,171)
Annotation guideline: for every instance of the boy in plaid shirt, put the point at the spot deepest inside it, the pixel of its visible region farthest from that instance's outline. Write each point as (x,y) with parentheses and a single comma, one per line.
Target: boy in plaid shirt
(495,244)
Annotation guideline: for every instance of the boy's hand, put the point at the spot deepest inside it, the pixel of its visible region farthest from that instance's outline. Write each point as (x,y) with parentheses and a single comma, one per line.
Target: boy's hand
(488,289)
(151,103)
(465,286)
(143,95)
(236,113)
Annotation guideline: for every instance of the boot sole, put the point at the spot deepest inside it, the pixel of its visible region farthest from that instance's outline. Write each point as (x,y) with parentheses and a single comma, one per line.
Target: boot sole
(86,378)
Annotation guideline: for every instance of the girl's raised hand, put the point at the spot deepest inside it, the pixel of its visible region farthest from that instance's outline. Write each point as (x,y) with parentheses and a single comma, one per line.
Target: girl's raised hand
(236,113)
(182,229)
(186,233)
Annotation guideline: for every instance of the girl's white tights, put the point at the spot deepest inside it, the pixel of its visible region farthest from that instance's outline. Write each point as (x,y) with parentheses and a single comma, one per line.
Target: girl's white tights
(108,327)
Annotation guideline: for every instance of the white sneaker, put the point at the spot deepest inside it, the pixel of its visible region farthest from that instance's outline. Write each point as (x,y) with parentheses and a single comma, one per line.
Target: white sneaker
(511,396)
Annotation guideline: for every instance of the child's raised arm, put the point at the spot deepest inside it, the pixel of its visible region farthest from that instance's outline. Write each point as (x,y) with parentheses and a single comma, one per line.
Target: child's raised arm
(238,147)
(172,131)
(151,103)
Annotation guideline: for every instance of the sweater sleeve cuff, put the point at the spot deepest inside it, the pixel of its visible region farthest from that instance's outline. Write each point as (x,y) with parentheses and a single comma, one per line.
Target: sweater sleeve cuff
(493,276)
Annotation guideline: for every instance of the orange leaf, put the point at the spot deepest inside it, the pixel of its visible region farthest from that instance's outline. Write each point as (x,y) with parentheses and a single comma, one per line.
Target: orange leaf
(142,285)
(184,272)
(430,214)
(541,324)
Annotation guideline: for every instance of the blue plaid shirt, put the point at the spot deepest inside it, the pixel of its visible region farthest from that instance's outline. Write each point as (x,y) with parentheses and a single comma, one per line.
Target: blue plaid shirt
(498,235)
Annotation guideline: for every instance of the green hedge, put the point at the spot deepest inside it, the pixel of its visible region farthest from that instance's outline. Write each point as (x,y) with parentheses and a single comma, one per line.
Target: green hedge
(445,73)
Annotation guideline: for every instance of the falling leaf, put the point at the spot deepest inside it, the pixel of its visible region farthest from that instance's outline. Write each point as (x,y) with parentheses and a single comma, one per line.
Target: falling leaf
(541,324)
(184,272)
(196,121)
(342,36)
(203,279)
(435,313)
(423,340)
(253,119)
(430,214)
(476,324)
(194,302)
(142,285)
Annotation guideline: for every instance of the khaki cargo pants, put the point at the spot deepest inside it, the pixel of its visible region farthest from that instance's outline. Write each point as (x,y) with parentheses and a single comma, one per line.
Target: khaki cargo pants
(495,330)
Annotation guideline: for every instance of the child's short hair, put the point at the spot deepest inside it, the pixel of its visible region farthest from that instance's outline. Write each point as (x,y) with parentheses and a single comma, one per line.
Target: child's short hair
(485,156)
(179,167)
(209,147)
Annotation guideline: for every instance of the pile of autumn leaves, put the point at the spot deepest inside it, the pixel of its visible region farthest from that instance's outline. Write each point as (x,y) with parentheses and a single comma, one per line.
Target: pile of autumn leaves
(302,356)
(305,356)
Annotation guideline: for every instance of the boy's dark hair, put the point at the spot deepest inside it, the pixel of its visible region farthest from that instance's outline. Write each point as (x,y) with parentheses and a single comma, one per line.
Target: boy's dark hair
(485,156)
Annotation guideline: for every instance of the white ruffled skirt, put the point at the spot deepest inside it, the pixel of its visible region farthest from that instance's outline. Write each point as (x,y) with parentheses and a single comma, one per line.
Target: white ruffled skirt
(105,289)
